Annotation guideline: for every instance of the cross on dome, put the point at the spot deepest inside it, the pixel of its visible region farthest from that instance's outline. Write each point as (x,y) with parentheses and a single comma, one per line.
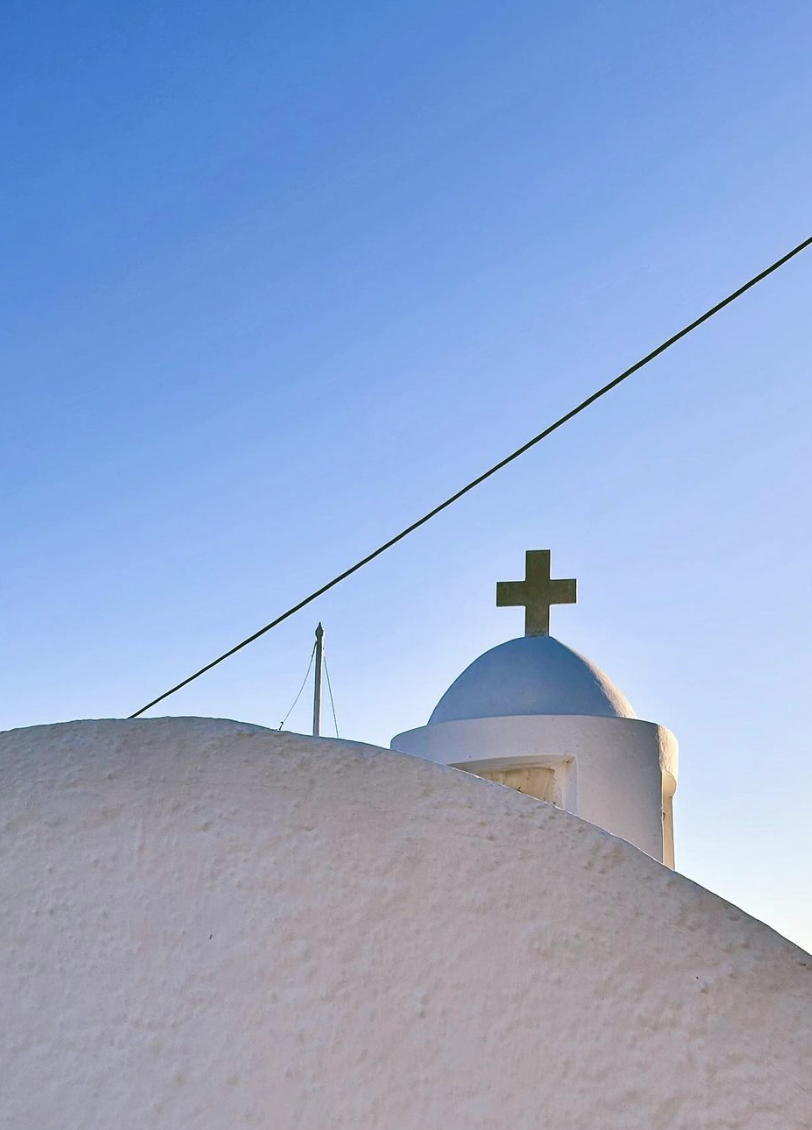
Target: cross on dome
(536,592)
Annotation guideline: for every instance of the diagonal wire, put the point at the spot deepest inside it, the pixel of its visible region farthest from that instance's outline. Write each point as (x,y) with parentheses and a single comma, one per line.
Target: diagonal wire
(301,688)
(542,435)
(330,690)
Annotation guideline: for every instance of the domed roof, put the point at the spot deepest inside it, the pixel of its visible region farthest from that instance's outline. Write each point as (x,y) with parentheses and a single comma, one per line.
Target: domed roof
(531,675)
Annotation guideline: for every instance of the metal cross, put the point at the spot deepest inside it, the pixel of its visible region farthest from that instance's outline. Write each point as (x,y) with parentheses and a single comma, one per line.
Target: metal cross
(536,592)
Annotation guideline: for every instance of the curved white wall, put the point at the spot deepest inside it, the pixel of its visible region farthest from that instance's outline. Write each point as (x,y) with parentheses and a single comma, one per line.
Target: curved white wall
(613,772)
(207,925)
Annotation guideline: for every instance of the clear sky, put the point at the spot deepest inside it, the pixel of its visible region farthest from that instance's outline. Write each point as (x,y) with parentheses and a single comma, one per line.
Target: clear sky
(279,277)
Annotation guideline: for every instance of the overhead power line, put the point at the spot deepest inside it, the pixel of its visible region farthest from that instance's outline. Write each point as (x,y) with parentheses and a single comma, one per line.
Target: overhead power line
(485,474)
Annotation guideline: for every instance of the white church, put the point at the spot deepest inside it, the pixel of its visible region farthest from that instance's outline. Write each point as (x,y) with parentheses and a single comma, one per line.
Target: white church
(212,925)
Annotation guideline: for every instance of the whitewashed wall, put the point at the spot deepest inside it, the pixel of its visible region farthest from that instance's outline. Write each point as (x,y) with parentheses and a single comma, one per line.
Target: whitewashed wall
(613,772)
(208,925)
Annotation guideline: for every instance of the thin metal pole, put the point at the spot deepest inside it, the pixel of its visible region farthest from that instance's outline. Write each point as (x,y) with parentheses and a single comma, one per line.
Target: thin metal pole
(317,681)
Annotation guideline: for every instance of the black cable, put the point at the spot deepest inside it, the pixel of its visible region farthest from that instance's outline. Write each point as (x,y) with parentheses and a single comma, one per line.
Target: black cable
(330,689)
(486,474)
(301,688)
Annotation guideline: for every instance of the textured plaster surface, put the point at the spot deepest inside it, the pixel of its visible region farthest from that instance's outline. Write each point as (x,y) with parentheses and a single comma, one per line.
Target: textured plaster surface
(209,925)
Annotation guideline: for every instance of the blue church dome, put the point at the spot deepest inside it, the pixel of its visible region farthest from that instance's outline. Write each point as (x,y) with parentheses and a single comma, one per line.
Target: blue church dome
(531,675)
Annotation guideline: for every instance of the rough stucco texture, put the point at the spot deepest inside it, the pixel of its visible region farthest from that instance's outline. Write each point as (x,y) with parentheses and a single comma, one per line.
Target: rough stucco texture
(209,925)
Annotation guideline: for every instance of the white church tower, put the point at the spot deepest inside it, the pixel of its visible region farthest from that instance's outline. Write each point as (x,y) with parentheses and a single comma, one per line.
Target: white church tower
(536,716)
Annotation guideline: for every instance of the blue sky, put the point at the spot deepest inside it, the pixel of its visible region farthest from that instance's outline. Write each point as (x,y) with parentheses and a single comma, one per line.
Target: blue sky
(278,278)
